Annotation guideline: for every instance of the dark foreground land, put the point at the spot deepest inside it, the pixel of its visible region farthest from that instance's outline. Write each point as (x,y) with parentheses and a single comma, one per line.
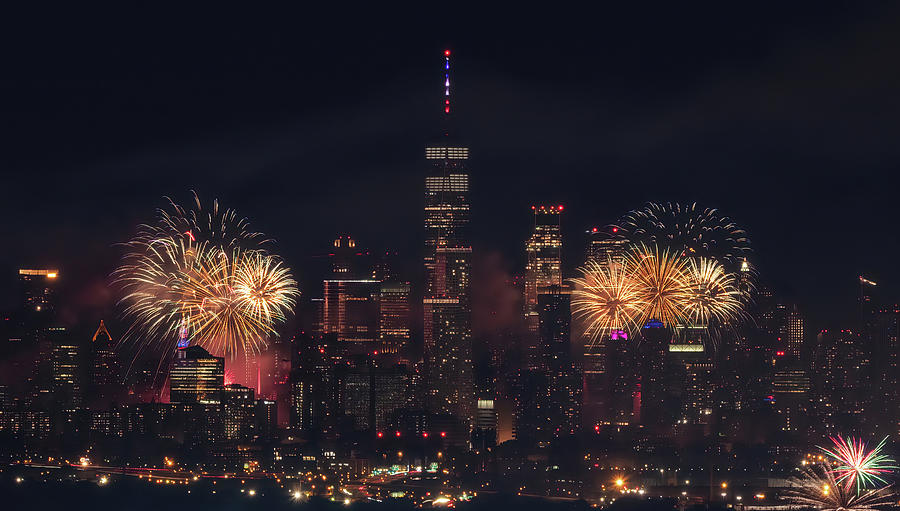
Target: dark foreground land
(138,496)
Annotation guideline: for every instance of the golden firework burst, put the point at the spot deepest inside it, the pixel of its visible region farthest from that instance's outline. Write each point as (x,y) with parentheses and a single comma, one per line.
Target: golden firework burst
(605,298)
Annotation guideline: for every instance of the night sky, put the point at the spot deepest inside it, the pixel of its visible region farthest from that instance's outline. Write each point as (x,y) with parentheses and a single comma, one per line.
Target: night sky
(313,123)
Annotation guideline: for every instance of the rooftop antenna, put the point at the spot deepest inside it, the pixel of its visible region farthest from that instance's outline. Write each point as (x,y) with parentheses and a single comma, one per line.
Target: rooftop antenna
(446,82)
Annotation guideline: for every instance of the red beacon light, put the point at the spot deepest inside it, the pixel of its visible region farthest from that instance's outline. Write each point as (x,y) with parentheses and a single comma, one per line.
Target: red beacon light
(446,53)
(424,434)
(615,229)
(397,434)
(379,434)
(560,207)
(443,434)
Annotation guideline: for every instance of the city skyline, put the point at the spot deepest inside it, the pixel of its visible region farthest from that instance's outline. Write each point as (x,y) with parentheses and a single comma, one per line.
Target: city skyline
(650,273)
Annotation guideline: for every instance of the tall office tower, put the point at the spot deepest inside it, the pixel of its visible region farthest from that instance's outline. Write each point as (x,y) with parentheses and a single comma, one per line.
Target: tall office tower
(563,371)
(843,370)
(694,369)
(351,312)
(792,332)
(390,387)
(791,389)
(604,246)
(350,298)
(239,405)
(312,383)
(393,321)
(38,306)
(448,352)
(105,373)
(354,379)
(65,373)
(745,280)
(196,377)
(38,290)
(484,435)
(884,347)
(784,321)
(266,424)
(448,314)
(544,267)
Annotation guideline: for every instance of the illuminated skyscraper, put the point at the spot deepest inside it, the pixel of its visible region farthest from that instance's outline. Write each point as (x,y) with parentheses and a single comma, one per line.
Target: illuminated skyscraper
(544,267)
(38,306)
(239,406)
(196,377)
(787,325)
(351,310)
(447,322)
(350,307)
(393,327)
(65,373)
(448,353)
(791,390)
(390,387)
(38,289)
(563,372)
(313,398)
(842,369)
(105,374)
(605,244)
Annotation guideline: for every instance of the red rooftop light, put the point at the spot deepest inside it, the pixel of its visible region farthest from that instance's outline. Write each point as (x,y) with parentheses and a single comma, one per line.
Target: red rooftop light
(446,53)
(380,434)
(443,434)
(397,433)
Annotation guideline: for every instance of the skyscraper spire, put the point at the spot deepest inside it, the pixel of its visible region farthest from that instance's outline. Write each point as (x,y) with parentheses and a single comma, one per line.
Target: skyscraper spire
(446,82)
(101,330)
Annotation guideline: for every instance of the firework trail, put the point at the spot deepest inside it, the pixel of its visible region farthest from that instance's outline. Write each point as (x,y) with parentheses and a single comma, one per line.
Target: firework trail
(712,296)
(211,281)
(689,229)
(853,465)
(662,280)
(818,489)
(606,299)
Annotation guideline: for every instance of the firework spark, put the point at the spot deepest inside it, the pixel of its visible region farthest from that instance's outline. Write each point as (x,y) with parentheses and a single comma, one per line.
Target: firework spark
(662,280)
(214,225)
(817,488)
(653,283)
(712,296)
(856,466)
(201,283)
(689,229)
(606,298)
